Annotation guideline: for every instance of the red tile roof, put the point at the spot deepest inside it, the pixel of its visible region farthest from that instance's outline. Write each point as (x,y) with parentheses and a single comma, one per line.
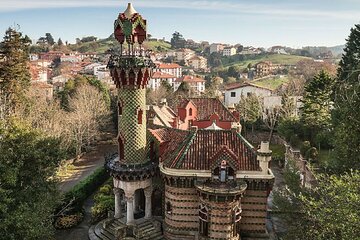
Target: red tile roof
(201,149)
(208,106)
(190,79)
(239,85)
(162,75)
(168,65)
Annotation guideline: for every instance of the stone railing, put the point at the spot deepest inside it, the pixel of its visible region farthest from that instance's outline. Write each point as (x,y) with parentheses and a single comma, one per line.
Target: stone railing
(307,176)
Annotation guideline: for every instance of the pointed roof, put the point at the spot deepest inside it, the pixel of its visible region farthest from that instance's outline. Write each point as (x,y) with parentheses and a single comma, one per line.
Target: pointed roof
(196,150)
(213,126)
(130,11)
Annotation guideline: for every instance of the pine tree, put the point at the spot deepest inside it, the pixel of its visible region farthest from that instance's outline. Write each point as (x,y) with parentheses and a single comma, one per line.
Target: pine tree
(346,114)
(14,71)
(317,101)
(49,39)
(60,42)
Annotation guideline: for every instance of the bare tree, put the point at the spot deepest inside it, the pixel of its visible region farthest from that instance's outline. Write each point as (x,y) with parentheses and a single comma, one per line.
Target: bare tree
(270,117)
(88,115)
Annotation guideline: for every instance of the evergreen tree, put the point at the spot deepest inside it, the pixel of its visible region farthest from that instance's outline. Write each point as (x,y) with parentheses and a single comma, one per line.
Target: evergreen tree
(177,40)
(346,114)
(49,39)
(317,102)
(28,195)
(14,71)
(60,42)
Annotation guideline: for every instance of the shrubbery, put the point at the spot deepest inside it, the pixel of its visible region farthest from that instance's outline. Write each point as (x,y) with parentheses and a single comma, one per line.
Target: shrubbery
(104,201)
(71,211)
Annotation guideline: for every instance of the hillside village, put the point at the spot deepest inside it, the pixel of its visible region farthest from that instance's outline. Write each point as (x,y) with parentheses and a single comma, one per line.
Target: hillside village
(138,138)
(200,65)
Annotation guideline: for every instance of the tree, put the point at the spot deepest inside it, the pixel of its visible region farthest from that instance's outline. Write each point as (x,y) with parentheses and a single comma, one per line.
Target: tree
(49,39)
(316,109)
(88,114)
(270,117)
(250,109)
(14,72)
(328,211)
(345,117)
(28,195)
(177,40)
(60,42)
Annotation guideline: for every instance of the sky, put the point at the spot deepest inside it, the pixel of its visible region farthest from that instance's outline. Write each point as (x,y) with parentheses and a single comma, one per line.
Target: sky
(259,23)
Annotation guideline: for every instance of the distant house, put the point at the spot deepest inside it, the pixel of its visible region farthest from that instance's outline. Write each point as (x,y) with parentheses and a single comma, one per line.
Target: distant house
(70,58)
(264,68)
(50,56)
(233,92)
(158,77)
(197,84)
(184,54)
(216,47)
(229,51)
(60,79)
(198,62)
(170,68)
(278,50)
(203,113)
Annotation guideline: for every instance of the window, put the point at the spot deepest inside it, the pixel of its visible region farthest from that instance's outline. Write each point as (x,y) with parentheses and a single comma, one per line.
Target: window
(168,208)
(190,111)
(236,220)
(204,221)
(120,107)
(248,94)
(233,94)
(140,113)
(121,147)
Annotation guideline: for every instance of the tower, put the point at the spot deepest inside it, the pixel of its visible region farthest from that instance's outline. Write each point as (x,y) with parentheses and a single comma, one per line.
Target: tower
(130,68)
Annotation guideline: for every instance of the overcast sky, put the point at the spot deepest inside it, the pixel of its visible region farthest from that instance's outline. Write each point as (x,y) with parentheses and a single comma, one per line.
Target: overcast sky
(249,22)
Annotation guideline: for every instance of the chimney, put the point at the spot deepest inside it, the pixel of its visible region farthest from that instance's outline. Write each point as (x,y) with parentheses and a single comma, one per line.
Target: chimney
(264,157)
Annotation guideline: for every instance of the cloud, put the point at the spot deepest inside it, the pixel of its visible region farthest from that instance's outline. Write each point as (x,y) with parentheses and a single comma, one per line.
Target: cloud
(270,9)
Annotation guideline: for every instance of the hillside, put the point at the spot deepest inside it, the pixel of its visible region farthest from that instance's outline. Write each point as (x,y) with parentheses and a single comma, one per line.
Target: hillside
(271,82)
(274,58)
(102,45)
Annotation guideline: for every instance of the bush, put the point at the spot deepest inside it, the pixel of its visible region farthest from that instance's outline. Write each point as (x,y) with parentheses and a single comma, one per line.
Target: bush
(305,146)
(68,221)
(85,188)
(74,199)
(104,201)
(311,153)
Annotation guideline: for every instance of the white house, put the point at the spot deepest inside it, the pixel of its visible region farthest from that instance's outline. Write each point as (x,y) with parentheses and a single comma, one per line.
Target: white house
(197,84)
(234,92)
(229,51)
(184,54)
(158,77)
(170,68)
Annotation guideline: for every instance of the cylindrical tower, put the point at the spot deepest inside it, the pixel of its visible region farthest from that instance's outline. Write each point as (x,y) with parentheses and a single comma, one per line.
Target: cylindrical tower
(131,69)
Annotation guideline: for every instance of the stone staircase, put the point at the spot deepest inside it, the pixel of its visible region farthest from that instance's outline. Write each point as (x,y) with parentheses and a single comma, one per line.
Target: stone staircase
(143,229)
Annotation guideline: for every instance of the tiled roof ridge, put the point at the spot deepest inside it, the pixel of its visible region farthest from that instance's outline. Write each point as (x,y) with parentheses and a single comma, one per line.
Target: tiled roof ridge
(223,149)
(178,161)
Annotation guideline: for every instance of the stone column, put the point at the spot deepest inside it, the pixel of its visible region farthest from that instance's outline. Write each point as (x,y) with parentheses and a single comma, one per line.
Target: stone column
(117,192)
(148,205)
(129,208)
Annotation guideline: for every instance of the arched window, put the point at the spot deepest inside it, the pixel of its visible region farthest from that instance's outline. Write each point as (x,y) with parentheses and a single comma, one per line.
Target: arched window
(204,221)
(140,114)
(190,112)
(120,107)
(168,207)
(223,175)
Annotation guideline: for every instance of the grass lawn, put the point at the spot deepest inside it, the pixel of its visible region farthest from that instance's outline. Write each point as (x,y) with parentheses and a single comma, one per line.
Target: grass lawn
(274,58)
(272,82)
(155,45)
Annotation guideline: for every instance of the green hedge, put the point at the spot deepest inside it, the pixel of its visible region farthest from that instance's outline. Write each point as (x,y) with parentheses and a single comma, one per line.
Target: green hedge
(81,191)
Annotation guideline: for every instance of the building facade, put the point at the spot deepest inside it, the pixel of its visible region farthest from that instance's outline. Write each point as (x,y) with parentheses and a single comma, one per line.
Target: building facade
(197,184)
